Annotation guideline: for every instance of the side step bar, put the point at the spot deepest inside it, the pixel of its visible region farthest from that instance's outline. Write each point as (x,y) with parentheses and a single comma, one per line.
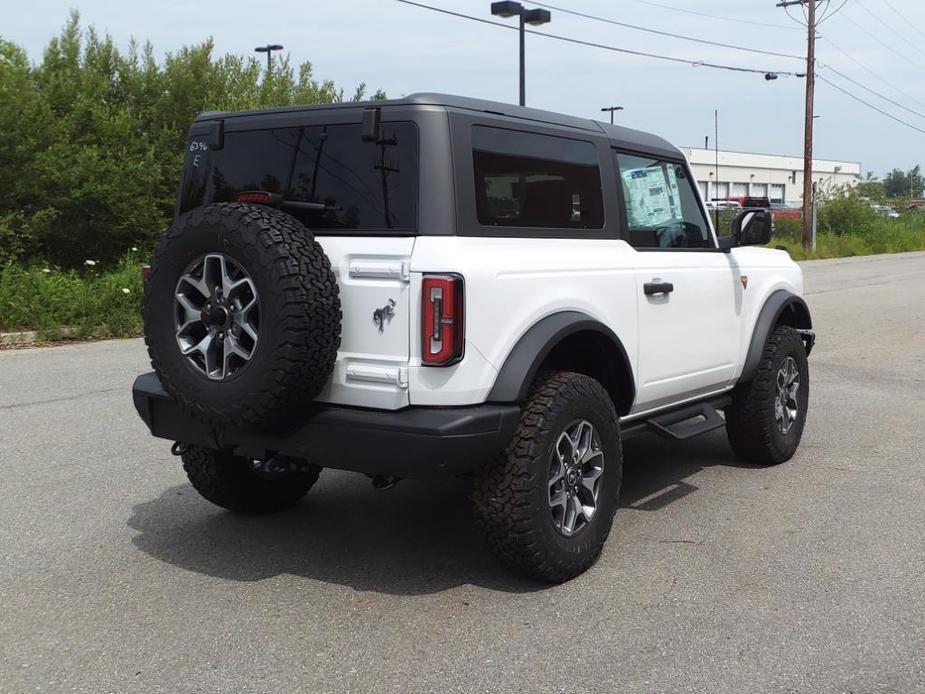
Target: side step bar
(683,423)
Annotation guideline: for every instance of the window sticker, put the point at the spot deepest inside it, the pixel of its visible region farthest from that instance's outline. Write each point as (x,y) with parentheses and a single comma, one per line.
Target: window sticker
(648,202)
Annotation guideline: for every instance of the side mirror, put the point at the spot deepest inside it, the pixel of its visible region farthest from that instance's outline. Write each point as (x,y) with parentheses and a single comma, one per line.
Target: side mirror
(752,228)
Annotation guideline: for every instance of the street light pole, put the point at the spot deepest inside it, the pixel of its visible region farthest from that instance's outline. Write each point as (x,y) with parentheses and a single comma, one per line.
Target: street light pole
(612,109)
(525,16)
(268,49)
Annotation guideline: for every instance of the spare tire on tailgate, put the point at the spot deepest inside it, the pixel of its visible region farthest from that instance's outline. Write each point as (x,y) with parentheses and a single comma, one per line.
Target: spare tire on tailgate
(242,314)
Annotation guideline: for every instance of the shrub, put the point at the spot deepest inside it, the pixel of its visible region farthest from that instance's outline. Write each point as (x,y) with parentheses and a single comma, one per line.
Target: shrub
(90,302)
(845,213)
(790,229)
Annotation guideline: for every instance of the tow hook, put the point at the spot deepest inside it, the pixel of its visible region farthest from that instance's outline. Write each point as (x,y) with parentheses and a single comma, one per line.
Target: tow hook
(383,483)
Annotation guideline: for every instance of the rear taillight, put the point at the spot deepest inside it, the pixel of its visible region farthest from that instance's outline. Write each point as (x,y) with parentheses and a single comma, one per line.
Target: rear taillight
(442,328)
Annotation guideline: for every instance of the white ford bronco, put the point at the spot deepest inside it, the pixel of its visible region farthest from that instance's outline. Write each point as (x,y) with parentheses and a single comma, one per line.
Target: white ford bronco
(440,286)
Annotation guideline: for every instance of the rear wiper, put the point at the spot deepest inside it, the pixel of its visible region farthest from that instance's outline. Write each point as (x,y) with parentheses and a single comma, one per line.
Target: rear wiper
(261,197)
(310,206)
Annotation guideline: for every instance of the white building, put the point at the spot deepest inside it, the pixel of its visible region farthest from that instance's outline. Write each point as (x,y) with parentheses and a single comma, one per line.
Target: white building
(779,178)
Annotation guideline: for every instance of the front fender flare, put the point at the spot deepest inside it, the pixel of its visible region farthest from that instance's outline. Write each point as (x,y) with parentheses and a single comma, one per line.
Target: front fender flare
(781,306)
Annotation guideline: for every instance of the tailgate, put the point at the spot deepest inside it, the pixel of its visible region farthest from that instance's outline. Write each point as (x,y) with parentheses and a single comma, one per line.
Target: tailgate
(372,364)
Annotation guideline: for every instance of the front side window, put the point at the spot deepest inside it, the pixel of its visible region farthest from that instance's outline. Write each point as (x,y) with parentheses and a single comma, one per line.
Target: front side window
(529,180)
(662,210)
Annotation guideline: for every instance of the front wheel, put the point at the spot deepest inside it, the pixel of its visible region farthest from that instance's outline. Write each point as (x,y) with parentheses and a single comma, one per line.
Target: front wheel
(245,485)
(765,421)
(546,505)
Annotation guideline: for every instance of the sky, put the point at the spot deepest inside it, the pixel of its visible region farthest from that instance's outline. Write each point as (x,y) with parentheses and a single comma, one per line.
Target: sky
(879,44)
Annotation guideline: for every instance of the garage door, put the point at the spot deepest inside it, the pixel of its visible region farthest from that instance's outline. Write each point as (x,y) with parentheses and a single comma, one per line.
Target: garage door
(777,192)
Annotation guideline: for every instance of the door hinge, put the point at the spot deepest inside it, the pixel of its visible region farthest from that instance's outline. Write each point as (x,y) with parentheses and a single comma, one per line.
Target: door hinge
(373,269)
(396,376)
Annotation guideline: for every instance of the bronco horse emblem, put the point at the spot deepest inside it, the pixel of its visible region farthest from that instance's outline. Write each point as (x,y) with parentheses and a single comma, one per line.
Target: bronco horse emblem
(383,316)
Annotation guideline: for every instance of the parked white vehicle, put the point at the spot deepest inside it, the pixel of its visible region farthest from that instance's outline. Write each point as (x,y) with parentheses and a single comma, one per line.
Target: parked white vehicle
(439,286)
(721,205)
(886,211)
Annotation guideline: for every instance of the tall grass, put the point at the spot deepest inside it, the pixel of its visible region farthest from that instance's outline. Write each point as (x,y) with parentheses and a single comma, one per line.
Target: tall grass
(874,236)
(91,302)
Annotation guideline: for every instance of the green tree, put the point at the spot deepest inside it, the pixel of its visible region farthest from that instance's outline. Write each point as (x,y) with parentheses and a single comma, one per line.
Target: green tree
(900,184)
(871,188)
(93,136)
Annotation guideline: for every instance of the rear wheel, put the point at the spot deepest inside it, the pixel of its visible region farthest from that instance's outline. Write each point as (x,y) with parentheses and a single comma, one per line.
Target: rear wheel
(245,485)
(766,419)
(546,506)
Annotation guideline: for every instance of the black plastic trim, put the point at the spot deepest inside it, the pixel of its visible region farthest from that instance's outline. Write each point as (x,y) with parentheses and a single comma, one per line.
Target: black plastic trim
(416,442)
(520,367)
(769,316)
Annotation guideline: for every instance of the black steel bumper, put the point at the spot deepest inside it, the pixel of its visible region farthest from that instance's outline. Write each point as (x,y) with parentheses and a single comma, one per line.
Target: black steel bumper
(417,442)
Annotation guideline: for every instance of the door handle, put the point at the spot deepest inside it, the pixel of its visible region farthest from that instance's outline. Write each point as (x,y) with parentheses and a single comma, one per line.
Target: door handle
(651,288)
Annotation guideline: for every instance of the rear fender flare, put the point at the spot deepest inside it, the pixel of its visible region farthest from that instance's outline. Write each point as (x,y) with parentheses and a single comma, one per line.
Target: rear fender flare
(525,359)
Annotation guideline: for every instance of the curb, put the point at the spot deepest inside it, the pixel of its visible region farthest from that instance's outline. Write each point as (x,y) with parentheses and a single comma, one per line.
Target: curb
(30,337)
(10,339)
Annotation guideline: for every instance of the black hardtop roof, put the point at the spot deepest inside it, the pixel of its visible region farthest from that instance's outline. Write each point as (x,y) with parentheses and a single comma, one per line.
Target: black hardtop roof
(626,137)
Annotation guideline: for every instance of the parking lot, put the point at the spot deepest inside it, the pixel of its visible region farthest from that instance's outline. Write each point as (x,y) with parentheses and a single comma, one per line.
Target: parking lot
(718,577)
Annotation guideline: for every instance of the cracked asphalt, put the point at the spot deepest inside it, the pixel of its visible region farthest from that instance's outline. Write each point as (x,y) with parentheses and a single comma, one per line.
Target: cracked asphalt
(718,577)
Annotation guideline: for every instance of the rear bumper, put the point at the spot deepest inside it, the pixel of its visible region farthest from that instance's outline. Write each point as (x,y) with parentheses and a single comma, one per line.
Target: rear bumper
(417,442)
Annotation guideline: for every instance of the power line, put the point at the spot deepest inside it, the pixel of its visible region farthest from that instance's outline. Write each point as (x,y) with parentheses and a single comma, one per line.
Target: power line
(870,105)
(821,15)
(882,42)
(889,27)
(604,46)
(713,16)
(666,33)
(868,89)
(904,18)
(871,72)
(828,15)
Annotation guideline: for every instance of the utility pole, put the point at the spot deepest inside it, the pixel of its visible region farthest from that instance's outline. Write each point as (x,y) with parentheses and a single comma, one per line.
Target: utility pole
(808,128)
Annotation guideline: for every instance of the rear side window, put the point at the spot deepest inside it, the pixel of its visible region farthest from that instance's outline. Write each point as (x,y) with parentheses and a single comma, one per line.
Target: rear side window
(662,210)
(347,183)
(529,180)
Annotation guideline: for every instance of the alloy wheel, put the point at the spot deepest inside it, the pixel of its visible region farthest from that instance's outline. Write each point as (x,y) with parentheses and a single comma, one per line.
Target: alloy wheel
(217,316)
(575,470)
(786,405)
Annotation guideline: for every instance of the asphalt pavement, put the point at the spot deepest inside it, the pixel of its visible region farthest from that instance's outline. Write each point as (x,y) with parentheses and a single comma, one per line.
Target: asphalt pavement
(718,577)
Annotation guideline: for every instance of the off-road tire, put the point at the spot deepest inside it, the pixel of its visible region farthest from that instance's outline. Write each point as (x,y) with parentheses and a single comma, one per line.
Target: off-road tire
(750,422)
(510,499)
(300,313)
(229,481)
